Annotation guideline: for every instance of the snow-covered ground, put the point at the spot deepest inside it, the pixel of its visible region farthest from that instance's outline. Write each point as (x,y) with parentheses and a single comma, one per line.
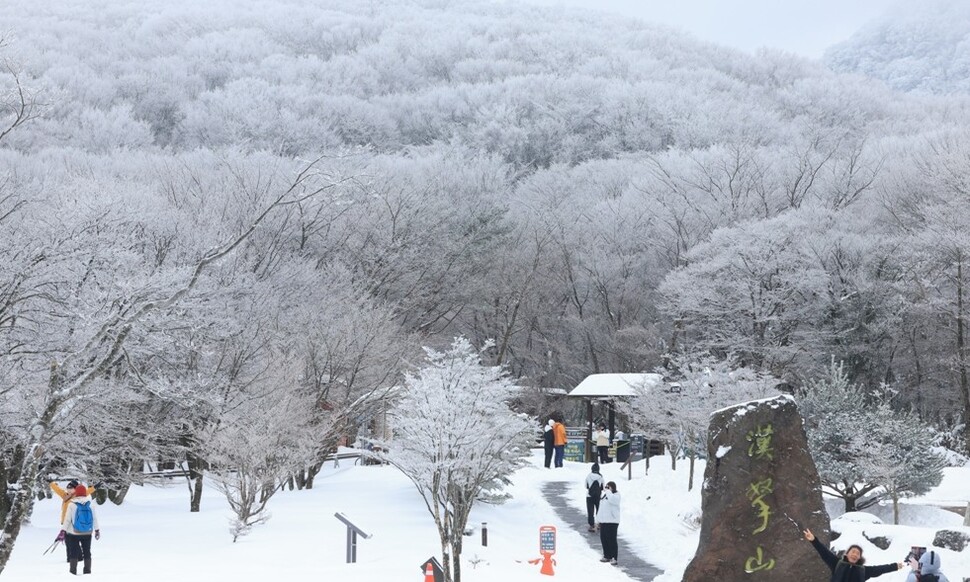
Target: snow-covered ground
(153,536)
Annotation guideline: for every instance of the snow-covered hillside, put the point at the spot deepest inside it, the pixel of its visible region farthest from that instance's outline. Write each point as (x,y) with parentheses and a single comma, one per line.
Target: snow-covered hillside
(925,48)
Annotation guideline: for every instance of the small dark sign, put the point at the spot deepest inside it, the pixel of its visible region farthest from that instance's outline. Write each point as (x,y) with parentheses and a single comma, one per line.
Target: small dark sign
(439,573)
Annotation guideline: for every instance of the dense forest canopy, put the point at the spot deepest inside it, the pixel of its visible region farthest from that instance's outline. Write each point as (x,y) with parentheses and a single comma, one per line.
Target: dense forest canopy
(537,87)
(920,47)
(592,194)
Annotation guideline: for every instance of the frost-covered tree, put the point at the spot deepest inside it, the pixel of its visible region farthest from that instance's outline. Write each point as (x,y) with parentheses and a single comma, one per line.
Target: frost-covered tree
(903,460)
(863,448)
(678,411)
(457,440)
(752,291)
(935,238)
(88,313)
(19,99)
(256,449)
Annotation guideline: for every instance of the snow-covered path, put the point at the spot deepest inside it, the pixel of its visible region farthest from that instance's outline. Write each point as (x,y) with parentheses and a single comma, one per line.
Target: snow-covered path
(556,493)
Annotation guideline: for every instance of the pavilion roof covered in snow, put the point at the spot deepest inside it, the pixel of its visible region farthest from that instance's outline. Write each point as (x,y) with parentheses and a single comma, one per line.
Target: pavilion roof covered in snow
(614,385)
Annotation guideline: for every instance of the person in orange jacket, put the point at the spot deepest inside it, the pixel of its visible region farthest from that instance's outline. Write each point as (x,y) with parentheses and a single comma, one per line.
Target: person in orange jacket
(559,441)
(66,494)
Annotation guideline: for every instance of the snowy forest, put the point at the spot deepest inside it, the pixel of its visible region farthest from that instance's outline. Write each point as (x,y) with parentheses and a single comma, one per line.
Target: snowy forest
(227,231)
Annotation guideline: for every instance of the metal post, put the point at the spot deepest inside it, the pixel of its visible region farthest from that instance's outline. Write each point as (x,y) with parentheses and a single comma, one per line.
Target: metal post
(612,420)
(484,533)
(352,531)
(351,549)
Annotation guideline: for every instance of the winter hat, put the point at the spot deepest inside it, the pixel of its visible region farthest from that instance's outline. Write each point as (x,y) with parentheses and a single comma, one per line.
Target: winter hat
(929,563)
(596,467)
(80,491)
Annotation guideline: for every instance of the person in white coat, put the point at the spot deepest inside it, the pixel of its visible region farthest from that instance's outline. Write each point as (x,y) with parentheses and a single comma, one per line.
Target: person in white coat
(80,522)
(926,569)
(608,518)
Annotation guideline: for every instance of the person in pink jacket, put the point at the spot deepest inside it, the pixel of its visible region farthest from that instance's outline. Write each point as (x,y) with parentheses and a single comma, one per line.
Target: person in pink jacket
(80,522)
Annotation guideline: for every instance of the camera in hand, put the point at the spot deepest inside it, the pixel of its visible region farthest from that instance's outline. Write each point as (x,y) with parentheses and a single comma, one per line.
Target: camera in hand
(914,553)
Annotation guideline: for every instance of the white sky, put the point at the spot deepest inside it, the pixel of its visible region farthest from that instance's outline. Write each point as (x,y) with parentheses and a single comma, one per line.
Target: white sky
(806,28)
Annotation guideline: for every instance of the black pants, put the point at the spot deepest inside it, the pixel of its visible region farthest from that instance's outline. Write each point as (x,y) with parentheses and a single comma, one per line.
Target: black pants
(604,453)
(548,451)
(608,539)
(78,547)
(592,506)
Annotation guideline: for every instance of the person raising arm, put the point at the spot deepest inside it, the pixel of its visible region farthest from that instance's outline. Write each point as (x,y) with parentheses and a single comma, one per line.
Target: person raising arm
(851,567)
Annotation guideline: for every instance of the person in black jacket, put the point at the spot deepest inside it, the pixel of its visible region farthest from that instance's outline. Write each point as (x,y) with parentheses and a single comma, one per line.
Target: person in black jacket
(851,567)
(547,441)
(594,491)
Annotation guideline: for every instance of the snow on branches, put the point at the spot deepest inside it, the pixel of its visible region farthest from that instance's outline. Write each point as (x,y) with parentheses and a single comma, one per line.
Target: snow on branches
(456,438)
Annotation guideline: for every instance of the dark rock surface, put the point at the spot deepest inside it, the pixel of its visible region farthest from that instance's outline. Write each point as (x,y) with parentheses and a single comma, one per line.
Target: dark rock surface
(761,488)
(951,540)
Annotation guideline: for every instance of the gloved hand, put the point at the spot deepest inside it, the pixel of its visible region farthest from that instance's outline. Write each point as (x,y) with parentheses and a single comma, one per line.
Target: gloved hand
(99,485)
(97,534)
(60,536)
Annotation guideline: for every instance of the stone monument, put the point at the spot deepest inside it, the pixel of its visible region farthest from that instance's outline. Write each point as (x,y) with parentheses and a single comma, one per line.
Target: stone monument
(761,489)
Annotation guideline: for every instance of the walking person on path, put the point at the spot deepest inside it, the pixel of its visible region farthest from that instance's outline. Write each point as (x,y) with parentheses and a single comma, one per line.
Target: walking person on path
(608,518)
(559,441)
(594,490)
(851,567)
(78,525)
(66,494)
(547,442)
(602,438)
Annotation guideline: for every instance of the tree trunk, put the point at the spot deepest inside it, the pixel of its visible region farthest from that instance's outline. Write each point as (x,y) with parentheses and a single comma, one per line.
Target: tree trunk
(895,509)
(446,562)
(456,558)
(196,468)
(690,475)
(4,500)
(312,472)
(962,357)
(21,503)
(849,495)
(117,496)
(195,503)
(25,480)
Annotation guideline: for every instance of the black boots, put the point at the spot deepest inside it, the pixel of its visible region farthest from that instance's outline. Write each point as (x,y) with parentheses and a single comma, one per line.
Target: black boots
(87,566)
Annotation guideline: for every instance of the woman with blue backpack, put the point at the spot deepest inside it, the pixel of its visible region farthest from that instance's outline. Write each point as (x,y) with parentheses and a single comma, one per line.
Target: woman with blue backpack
(66,494)
(80,522)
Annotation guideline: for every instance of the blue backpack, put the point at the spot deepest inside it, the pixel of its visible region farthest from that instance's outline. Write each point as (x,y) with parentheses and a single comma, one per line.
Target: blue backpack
(83,517)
